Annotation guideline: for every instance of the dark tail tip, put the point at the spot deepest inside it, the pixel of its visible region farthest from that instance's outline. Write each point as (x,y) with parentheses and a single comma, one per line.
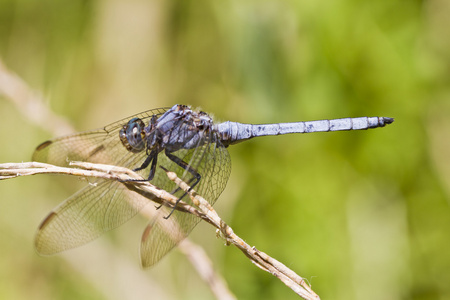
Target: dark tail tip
(388,120)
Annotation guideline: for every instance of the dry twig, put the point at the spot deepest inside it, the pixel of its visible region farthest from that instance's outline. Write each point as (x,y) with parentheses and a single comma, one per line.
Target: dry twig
(202,210)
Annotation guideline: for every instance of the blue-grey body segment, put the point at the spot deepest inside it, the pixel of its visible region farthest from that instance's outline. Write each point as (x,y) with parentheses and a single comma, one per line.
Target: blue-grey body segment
(233,132)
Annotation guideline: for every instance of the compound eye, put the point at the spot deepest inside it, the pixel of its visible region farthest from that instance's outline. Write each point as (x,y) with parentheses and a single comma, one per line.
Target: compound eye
(132,135)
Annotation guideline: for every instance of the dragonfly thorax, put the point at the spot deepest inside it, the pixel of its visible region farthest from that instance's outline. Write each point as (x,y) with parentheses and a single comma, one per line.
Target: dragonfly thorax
(181,128)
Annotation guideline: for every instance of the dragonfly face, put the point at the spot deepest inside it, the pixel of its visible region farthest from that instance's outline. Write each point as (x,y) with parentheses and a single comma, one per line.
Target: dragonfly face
(132,135)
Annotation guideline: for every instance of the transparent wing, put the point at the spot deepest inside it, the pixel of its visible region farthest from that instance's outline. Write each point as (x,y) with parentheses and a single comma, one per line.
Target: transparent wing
(211,160)
(99,207)
(84,216)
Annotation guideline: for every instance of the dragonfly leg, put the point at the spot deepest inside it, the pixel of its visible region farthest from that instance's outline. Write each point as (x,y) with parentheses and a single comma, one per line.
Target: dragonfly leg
(187,167)
(144,164)
(153,167)
(153,158)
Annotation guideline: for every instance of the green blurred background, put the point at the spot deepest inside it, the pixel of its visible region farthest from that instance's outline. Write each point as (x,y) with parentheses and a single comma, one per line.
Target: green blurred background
(360,215)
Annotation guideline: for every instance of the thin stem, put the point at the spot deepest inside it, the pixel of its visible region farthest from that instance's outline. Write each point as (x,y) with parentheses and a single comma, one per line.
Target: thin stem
(202,209)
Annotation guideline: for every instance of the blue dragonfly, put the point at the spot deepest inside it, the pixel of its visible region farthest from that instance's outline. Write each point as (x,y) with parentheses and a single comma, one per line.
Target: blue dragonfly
(178,139)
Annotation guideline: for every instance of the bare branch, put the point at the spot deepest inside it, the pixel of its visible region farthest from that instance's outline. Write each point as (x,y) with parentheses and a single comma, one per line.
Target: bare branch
(202,210)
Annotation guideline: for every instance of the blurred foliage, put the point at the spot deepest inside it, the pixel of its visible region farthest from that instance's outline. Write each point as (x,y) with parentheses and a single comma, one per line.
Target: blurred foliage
(362,215)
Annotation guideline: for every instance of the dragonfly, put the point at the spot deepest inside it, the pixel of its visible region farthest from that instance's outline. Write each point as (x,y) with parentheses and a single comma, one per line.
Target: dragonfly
(179,139)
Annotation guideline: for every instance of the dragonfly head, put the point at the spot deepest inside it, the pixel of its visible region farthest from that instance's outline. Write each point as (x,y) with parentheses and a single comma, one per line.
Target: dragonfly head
(132,135)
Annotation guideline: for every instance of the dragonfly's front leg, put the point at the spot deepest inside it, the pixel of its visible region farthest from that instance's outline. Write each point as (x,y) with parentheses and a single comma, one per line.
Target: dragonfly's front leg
(151,158)
(188,168)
